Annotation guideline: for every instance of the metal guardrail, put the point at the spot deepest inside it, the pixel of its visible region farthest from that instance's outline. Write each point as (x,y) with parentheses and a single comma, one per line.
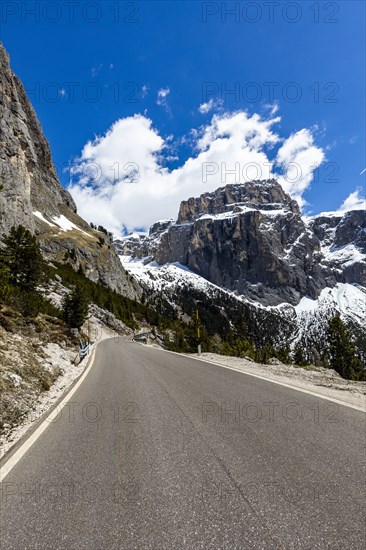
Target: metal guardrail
(142,335)
(84,349)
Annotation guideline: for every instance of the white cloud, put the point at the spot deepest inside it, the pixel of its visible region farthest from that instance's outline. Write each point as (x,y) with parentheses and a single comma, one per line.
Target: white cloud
(354,201)
(163,93)
(110,158)
(210,105)
(299,158)
(272,108)
(144,91)
(240,130)
(232,148)
(161,98)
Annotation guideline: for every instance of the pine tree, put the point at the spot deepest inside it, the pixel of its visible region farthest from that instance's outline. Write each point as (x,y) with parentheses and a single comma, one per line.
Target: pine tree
(342,353)
(22,256)
(5,288)
(299,358)
(283,354)
(75,307)
(315,357)
(30,303)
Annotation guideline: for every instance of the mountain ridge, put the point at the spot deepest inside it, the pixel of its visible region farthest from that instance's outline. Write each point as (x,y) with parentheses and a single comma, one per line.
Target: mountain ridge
(252,239)
(31,194)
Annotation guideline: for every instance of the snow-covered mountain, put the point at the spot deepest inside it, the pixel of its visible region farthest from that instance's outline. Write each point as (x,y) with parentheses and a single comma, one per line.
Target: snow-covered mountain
(249,245)
(251,238)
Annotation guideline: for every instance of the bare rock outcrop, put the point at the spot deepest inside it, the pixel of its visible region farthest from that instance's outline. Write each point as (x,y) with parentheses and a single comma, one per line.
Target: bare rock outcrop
(29,185)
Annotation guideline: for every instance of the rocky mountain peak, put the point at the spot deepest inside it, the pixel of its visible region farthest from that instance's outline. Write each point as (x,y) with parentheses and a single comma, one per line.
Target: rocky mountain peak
(252,239)
(257,194)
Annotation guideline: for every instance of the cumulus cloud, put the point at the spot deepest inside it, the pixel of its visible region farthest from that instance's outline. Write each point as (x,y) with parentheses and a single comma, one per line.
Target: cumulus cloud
(129,141)
(354,201)
(299,158)
(120,179)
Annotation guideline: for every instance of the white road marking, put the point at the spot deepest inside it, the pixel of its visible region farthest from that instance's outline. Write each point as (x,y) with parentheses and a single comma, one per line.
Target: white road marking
(14,459)
(321,396)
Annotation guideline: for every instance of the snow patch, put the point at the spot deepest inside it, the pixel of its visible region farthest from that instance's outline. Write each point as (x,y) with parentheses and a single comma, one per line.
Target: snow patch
(66,225)
(306,304)
(43,219)
(345,255)
(347,299)
(243,210)
(60,222)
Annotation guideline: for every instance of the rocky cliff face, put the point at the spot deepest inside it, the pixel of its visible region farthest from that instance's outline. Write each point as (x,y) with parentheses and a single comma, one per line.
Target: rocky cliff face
(31,194)
(251,238)
(266,195)
(343,245)
(28,178)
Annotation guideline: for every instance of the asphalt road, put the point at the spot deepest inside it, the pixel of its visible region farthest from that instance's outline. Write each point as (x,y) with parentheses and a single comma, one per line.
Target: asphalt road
(160,451)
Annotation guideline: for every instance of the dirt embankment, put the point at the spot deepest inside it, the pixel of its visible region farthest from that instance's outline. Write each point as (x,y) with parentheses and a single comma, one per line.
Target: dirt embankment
(39,360)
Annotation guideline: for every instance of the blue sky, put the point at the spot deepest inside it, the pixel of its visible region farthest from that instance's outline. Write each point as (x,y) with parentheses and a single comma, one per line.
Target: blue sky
(312,53)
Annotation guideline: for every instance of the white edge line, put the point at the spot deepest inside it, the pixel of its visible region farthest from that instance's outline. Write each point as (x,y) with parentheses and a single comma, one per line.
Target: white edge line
(14,459)
(321,396)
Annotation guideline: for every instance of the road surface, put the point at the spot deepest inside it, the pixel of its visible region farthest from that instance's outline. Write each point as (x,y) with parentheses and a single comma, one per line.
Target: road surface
(160,451)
